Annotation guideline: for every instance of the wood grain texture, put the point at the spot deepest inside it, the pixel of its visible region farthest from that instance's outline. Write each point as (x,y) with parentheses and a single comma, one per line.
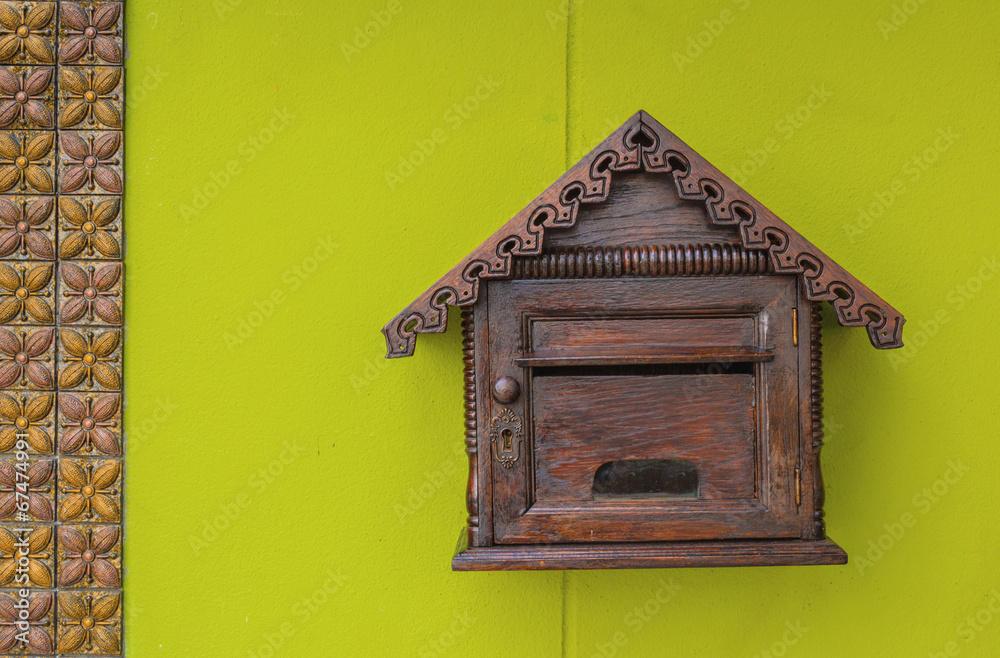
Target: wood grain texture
(659,555)
(740,427)
(583,422)
(651,334)
(642,208)
(642,144)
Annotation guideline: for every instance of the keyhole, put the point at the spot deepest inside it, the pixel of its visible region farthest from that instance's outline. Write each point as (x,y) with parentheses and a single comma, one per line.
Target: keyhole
(506,435)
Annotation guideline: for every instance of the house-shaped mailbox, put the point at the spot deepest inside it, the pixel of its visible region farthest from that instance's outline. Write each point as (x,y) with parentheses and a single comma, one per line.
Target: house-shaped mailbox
(642,370)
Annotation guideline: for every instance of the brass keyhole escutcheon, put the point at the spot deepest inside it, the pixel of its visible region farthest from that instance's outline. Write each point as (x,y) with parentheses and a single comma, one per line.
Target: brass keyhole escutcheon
(506,437)
(506,390)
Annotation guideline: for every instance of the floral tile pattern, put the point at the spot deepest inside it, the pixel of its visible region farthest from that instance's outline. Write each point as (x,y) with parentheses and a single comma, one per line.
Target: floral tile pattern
(62,98)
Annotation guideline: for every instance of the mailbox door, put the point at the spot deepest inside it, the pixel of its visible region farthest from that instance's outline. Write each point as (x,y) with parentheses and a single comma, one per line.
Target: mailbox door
(643,409)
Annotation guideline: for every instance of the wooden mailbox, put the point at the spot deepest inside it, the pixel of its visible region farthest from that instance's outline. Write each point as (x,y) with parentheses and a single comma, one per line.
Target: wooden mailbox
(642,370)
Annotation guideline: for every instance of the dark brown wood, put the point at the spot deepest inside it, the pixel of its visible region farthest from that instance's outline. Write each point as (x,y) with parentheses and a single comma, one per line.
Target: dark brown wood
(633,215)
(644,388)
(659,555)
(643,357)
(643,146)
(471,429)
(816,418)
(573,424)
(642,260)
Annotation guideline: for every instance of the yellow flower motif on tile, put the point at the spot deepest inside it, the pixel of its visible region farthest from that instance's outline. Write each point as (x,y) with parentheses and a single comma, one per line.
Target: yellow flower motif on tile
(23,294)
(26,32)
(23,163)
(37,555)
(90,96)
(89,621)
(89,494)
(89,359)
(25,415)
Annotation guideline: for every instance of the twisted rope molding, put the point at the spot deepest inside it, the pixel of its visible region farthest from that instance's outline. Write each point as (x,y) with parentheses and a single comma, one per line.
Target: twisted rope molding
(643,144)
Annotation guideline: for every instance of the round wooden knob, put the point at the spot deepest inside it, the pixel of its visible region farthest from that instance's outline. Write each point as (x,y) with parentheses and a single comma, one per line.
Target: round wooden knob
(506,390)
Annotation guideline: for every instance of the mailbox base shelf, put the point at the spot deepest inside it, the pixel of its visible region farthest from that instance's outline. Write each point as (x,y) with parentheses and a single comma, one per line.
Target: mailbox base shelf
(645,555)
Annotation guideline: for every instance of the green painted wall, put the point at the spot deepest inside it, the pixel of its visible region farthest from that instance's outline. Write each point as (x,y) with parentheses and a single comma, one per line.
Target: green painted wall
(293,494)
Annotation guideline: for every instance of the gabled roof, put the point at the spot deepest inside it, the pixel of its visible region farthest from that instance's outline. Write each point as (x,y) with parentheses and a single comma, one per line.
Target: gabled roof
(642,144)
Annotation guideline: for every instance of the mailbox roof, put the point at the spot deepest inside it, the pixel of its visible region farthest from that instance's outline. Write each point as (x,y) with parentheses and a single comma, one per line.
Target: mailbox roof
(643,144)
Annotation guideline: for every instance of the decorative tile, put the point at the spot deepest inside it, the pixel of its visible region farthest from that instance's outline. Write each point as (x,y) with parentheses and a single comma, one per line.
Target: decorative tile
(89,162)
(26,99)
(27,555)
(90,490)
(27,423)
(27,164)
(89,556)
(90,227)
(90,97)
(40,622)
(27,293)
(27,358)
(27,491)
(90,623)
(27,32)
(27,227)
(61,278)
(90,33)
(90,359)
(90,293)
(89,424)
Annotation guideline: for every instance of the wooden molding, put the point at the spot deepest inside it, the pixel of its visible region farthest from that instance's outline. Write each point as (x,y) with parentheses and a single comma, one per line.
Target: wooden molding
(648,555)
(643,144)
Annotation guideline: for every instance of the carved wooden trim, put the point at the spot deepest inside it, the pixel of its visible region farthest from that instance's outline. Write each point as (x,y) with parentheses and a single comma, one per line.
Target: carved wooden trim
(816,415)
(471,439)
(654,260)
(642,144)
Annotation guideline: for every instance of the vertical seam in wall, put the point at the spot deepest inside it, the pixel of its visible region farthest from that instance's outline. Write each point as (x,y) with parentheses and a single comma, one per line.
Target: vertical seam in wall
(569,36)
(568,646)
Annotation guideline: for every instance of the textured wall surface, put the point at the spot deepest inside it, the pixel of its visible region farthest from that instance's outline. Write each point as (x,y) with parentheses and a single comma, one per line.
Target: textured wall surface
(299,171)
